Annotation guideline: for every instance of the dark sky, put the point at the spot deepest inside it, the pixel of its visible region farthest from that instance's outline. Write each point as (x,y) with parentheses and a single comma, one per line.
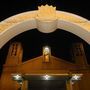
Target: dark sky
(12,7)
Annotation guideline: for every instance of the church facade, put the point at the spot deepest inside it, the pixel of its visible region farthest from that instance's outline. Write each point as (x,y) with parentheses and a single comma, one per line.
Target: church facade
(16,74)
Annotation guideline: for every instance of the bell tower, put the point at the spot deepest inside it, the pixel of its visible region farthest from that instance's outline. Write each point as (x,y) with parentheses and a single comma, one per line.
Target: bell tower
(15,54)
(14,58)
(78,54)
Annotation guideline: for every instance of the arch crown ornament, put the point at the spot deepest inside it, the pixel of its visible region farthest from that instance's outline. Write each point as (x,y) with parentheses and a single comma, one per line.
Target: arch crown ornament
(46,19)
(46,13)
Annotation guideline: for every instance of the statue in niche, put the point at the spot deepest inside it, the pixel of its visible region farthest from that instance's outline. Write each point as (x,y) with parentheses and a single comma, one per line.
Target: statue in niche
(46,54)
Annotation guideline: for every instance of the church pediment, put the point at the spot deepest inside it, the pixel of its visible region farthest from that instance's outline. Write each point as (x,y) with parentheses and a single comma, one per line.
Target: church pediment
(54,64)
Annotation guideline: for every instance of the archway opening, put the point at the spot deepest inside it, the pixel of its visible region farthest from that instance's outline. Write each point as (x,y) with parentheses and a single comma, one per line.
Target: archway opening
(32,41)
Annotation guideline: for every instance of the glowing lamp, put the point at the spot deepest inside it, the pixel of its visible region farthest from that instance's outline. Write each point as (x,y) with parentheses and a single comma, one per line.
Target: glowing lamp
(46,77)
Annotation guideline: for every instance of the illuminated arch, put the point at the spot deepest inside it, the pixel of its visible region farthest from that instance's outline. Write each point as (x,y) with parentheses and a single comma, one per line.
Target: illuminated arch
(22,22)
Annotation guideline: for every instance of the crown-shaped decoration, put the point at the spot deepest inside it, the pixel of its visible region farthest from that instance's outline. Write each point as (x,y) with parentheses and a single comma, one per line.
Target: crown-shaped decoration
(46,12)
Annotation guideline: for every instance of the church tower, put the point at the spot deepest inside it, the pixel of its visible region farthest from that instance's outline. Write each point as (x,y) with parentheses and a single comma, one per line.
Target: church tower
(14,58)
(15,54)
(78,54)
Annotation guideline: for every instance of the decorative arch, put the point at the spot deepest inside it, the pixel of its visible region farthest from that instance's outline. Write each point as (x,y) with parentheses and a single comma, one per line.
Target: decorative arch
(22,22)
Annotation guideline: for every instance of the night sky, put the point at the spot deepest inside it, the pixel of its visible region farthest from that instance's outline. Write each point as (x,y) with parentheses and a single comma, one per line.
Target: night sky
(60,41)
(12,7)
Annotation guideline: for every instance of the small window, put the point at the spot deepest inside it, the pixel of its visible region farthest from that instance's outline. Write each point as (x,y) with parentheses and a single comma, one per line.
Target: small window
(14,49)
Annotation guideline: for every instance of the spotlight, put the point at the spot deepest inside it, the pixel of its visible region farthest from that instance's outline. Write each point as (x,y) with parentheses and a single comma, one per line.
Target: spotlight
(76,77)
(46,50)
(17,77)
(46,77)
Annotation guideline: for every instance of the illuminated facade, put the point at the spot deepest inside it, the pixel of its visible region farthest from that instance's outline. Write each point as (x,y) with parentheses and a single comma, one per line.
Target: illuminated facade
(16,74)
